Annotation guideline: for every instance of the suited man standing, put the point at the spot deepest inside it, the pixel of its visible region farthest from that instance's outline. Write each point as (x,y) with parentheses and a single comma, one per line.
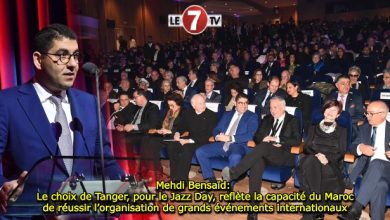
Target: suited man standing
(211,96)
(278,132)
(47,118)
(352,103)
(232,133)
(372,145)
(262,99)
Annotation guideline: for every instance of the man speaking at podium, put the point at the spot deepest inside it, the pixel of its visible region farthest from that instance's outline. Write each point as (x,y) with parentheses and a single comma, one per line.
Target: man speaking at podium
(47,117)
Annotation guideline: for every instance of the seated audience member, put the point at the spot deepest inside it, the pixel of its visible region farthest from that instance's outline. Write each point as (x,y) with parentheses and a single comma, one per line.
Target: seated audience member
(235,89)
(354,75)
(199,122)
(292,65)
(211,96)
(257,81)
(302,101)
(155,82)
(108,89)
(165,90)
(124,111)
(124,87)
(144,85)
(232,133)
(352,103)
(235,78)
(373,149)
(182,86)
(262,98)
(278,132)
(272,66)
(195,84)
(386,79)
(285,77)
(147,116)
(320,169)
(313,70)
(153,142)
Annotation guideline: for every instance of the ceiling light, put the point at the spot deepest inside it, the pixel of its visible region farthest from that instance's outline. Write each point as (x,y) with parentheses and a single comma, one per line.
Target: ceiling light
(225,3)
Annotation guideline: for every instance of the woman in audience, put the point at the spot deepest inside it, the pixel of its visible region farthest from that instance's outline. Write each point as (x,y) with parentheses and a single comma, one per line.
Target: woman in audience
(320,169)
(356,84)
(234,91)
(166,89)
(257,81)
(292,64)
(302,101)
(285,78)
(153,142)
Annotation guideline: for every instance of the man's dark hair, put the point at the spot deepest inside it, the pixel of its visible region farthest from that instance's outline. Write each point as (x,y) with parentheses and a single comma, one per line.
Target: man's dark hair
(123,93)
(242,95)
(142,92)
(195,71)
(43,40)
(273,78)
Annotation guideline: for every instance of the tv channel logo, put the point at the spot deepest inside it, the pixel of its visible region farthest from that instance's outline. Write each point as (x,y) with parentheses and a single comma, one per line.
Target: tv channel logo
(194,20)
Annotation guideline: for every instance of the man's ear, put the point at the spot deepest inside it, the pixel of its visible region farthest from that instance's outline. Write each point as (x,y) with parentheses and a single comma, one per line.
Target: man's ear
(37,60)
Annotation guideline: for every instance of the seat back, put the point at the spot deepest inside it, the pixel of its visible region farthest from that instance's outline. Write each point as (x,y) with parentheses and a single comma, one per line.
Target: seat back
(315,95)
(216,107)
(381,94)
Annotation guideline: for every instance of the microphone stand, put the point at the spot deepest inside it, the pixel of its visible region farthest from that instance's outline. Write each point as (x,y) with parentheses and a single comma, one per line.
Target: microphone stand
(100,131)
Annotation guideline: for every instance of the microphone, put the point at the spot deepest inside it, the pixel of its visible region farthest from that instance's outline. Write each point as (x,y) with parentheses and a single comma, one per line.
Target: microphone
(90,69)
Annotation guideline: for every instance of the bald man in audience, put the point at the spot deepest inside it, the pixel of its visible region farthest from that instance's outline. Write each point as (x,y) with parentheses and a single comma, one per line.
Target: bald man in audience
(372,147)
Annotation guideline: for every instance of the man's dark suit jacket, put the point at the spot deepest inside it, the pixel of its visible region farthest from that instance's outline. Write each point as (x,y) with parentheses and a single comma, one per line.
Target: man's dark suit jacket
(274,70)
(259,98)
(188,95)
(150,117)
(126,115)
(27,137)
(353,105)
(290,134)
(215,97)
(198,86)
(364,137)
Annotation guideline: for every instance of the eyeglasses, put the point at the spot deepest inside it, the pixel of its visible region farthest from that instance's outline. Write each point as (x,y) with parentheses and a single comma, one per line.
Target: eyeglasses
(242,103)
(355,76)
(371,114)
(65,58)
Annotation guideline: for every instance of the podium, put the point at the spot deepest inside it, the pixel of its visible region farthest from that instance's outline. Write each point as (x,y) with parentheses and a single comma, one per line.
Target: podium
(47,180)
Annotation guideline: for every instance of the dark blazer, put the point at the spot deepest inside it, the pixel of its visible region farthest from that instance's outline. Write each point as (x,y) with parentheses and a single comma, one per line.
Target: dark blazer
(126,115)
(198,86)
(26,136)
(215,97)
(364,137)
(189,93)
(273,70)
(303,103)
(246,127)
(150,117)
(200,126)
(353,105)
(260,96)
(290,134)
